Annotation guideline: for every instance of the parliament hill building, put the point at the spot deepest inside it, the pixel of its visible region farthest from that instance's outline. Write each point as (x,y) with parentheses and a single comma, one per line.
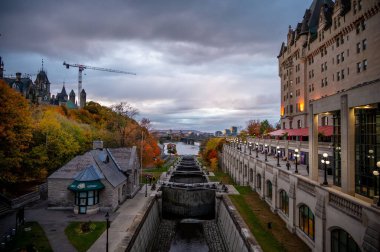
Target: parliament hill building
(320,171)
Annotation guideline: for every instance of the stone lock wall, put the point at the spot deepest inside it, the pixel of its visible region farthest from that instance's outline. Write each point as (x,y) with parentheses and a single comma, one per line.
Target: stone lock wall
(185,203)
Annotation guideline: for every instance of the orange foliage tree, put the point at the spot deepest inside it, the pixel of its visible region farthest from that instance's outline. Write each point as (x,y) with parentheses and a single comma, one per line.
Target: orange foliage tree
(15,132)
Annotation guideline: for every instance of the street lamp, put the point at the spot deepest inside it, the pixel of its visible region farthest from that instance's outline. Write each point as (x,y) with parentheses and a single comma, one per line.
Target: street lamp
(146,186)
(278,156)
(376,173)
(257,150)
(266,152)
(107,223)
(296,155)
(245,146)
(325,161)
(250,148)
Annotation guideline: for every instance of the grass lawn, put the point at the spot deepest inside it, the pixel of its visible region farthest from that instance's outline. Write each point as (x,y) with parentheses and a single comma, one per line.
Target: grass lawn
(156,172)
(35,238)
(256,214)
(83,241)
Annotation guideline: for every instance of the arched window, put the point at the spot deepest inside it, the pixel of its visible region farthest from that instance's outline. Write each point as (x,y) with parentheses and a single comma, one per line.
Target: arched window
(341,241)
(269,189)
(284,202)
(306,221)
(250,175)
(258,181)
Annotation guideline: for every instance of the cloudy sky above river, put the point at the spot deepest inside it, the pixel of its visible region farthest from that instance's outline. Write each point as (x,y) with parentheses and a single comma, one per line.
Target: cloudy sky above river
(200,64)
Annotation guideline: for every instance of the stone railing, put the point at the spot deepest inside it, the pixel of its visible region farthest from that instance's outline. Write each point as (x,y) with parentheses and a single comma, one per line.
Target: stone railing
(345,205)
(306,186)
(269,169)
(283,175)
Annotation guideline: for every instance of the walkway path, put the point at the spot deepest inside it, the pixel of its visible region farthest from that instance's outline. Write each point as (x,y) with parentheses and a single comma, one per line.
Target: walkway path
(122,221)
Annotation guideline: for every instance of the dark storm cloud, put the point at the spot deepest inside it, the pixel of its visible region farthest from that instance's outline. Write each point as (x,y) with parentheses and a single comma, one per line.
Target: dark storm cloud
(197,29)
(201,64)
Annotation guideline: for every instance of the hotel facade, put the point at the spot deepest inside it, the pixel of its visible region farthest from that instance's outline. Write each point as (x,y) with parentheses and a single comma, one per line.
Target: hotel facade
(326,186)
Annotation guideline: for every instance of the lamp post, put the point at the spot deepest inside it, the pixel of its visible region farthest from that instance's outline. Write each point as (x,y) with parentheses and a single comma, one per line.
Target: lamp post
(278,156)
(376,173)
(266,152)
(257,150)
(245,146)
(107,223)
(296,155)
(325,161)
(250,148)
(146,186)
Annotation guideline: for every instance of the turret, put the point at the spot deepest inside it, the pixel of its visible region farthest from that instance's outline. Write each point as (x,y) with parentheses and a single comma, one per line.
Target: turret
(82,99)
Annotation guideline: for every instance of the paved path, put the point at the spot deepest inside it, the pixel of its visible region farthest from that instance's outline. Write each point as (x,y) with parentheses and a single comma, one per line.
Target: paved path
(54,222)
(122,220)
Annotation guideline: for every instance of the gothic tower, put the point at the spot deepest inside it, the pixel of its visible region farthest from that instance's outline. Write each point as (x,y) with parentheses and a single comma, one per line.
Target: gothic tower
(72,96)
(82,99)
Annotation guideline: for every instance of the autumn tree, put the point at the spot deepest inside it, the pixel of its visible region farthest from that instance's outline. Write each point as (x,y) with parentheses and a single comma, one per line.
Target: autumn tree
(15,132)
(253,127)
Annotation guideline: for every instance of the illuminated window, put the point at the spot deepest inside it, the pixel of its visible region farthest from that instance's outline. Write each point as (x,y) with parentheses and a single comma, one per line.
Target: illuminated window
(306,221)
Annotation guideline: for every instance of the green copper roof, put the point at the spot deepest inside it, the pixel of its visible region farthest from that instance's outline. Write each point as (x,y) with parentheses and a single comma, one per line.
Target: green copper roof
(78,186)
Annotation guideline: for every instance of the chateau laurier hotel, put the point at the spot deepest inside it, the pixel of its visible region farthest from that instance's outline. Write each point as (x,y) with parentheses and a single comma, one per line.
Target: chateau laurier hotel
(320,171)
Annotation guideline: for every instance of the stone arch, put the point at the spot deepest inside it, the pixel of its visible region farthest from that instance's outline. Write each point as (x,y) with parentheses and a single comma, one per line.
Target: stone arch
(337,234)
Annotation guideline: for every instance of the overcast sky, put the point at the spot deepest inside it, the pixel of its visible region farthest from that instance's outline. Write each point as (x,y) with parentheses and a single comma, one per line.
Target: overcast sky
(200,64)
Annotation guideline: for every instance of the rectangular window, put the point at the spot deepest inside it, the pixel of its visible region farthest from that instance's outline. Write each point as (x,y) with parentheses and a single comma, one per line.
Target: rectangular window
(325,66)
(342,56)
(364,44)
(338,59)
(342,73)
(326,81)
(359,4)
(338,76)
(322,68)
(358,46)
(359,67)
(364,65)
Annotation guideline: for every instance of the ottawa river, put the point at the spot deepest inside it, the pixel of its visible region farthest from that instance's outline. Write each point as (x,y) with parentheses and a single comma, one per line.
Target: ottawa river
(185,149)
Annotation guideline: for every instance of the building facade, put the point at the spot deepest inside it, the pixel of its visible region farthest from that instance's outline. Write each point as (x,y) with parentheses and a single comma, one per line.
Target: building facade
(330,77)
(333,49)
(99,180)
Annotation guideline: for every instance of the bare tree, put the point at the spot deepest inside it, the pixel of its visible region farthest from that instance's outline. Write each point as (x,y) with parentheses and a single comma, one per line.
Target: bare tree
(125,109)
(146,123)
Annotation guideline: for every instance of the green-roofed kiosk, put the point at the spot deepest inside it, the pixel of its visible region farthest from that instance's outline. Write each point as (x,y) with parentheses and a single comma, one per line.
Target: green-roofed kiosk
(86,187)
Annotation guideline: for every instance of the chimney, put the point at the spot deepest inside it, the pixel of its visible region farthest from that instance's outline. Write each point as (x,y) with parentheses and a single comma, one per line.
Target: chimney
(18,76)
(97,145)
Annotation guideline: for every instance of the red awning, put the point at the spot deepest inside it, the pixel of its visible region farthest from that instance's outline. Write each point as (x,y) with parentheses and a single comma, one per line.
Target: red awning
(279,132)
(325,130)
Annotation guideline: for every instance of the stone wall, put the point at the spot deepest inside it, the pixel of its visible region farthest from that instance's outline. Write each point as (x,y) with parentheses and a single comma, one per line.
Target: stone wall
(332,209)
(59,197)
(185,203)
(143,230)
(236,234)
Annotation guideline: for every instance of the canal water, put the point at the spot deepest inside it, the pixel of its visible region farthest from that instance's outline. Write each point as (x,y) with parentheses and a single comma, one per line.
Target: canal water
(185,149)
(189,237)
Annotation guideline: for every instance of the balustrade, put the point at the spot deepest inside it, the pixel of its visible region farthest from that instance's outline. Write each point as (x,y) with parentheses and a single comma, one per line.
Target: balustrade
(345,205)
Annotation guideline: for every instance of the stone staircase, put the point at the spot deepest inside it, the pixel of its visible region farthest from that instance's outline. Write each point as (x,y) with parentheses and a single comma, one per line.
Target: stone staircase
(4,208)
